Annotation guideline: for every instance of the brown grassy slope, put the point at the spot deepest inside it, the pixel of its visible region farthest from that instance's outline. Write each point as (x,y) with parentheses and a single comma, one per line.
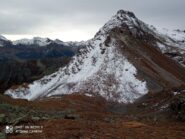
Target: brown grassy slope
(97,120)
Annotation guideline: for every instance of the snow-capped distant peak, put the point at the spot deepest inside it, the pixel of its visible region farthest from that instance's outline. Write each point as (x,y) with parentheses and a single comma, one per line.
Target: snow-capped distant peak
(3,38)
(35,41)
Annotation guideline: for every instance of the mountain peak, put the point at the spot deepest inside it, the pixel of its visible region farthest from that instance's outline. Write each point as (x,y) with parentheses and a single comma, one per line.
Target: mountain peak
(125,13)
(122,19)
(126,18)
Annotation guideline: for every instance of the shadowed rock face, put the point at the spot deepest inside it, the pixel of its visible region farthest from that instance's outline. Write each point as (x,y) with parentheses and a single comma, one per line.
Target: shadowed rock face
(121,63)
(177,106)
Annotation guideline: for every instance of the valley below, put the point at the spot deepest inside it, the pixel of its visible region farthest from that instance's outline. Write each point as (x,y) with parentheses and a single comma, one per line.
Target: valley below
(82,117)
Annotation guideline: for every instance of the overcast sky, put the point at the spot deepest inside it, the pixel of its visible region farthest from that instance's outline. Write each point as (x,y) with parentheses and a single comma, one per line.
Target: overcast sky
(81,19)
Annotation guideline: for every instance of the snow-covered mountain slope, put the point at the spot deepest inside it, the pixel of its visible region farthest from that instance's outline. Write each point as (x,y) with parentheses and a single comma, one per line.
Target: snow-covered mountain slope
(172,44)
(70,43)
(4,41)
(177,36)
(3,38)
(121,63)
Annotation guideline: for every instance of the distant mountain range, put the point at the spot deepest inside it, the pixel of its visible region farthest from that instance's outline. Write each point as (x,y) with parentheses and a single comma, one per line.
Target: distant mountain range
(36,42)
(124,61)
(27,60)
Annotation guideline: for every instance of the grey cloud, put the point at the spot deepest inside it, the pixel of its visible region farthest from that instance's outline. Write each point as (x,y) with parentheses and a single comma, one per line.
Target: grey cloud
(29,16)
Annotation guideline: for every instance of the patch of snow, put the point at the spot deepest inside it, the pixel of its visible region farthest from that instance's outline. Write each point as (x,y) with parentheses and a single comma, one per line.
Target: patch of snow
(161,46)
(89,95)
(164,107)
(175,93)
